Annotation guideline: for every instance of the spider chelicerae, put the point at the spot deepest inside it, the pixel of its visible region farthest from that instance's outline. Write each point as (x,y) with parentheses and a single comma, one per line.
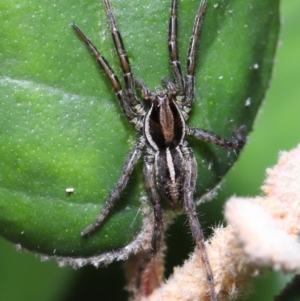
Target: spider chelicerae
(170,168)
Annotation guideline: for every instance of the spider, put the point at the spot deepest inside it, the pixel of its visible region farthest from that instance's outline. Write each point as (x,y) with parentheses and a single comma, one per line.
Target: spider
(170,168)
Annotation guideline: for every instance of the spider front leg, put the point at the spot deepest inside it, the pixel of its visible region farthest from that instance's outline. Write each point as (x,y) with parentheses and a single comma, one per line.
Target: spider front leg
(173,49)
(190,209)
(121,184)
(124,61)
(191,58)
(114,80)
(234,143)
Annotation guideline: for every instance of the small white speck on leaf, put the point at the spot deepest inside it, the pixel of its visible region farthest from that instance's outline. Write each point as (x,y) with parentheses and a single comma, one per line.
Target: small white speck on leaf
(69,190)
(248,102)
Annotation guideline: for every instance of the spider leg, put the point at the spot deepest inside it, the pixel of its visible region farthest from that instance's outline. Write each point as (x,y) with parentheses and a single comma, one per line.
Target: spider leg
(149,173)
(207,136)
(190,208)
(124,61)
(191,57)
(121,184)
(173,49)
(121,94)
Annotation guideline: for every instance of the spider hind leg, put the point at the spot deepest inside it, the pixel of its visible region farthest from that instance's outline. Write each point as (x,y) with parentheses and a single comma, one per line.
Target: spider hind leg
(158,218)
(190,209)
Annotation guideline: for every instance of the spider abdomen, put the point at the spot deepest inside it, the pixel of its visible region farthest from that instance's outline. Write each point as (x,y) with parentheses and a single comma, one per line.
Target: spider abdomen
(174,193)
(169,164)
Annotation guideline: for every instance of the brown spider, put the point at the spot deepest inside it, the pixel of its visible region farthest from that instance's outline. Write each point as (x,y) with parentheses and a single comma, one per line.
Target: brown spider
(170,168)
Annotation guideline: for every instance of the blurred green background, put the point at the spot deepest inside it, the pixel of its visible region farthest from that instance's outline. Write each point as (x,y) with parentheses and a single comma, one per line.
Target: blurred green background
(25,277)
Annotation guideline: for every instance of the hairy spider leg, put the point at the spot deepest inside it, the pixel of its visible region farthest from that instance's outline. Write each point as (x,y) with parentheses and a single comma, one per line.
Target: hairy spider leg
(124,62)
(173,49)
(234,143)
(191,57)
(190,209)
(120,93)
(130,162)
(149,176)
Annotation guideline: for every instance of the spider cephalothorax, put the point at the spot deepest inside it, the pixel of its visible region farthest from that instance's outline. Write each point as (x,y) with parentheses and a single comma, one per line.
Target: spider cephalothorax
(170,168)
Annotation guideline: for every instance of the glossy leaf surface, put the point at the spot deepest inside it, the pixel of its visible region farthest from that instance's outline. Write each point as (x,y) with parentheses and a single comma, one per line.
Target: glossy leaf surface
(61,125)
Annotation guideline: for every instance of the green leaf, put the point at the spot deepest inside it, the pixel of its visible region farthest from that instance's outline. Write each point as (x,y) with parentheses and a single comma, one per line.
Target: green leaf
(61,125)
